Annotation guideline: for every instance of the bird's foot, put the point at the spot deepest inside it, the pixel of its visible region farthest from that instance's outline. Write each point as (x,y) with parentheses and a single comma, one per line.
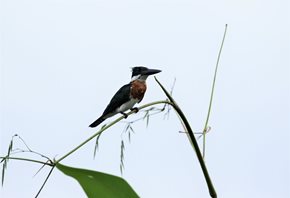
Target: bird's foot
(135,109)
(124,114)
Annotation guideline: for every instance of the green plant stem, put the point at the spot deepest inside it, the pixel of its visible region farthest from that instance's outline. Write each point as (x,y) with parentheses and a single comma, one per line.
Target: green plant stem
(108,126)
(212,91)
(46,179)
(28,160)
(193,141)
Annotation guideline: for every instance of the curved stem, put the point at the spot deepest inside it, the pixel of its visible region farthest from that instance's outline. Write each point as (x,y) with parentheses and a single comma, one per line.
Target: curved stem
(28,160)
(45,181)
(108,126)
(212,90)
(193,141)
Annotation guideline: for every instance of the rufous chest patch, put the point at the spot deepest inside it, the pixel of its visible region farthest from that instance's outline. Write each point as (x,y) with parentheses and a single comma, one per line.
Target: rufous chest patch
(138,89)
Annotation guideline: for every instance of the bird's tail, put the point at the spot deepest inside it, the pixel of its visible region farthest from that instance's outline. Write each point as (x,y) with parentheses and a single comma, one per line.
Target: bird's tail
(97,122)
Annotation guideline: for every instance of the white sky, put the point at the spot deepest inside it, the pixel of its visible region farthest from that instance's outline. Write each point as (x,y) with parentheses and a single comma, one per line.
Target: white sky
(62,60)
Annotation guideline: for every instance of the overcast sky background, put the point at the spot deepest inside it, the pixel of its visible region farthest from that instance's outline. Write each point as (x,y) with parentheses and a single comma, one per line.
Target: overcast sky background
(62,61)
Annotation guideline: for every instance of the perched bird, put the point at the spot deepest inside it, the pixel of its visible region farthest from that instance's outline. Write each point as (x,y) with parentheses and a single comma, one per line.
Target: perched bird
(128,95)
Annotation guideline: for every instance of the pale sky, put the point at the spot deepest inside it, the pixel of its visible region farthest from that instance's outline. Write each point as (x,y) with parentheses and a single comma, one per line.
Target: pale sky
(62,61)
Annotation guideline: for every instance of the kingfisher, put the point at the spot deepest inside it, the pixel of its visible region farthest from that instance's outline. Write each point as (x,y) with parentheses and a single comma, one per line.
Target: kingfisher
(128,95)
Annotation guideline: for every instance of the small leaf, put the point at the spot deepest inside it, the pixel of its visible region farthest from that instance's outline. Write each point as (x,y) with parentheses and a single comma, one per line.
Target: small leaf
(3,170)
(129,136)
(172,87)
(146,114)
(97,184)
(147,120)
(9,149)
(122,156)
(97,144)
(131,129)
(5,160)
(127,127)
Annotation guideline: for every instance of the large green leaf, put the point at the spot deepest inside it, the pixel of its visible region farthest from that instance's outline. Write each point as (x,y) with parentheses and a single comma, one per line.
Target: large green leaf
(99,185)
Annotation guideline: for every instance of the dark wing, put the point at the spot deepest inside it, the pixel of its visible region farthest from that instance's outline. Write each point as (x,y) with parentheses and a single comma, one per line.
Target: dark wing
(122,96)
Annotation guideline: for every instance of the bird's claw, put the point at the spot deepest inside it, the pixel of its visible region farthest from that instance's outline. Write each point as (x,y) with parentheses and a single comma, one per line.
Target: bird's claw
(135,109)
(124,114)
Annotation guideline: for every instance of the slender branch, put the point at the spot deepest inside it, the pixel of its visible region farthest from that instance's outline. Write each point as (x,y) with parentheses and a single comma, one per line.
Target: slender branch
(193,141)
(17,151)
(45,181)
(212,90)
(108,126)
(28,160)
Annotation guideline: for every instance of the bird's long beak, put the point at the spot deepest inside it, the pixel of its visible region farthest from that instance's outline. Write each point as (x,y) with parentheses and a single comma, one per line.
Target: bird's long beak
(151,71)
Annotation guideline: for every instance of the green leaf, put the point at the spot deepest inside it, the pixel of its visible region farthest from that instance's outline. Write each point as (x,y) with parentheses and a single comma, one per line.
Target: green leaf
(97,144)
(122,156)
(99,185)
(5,161)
